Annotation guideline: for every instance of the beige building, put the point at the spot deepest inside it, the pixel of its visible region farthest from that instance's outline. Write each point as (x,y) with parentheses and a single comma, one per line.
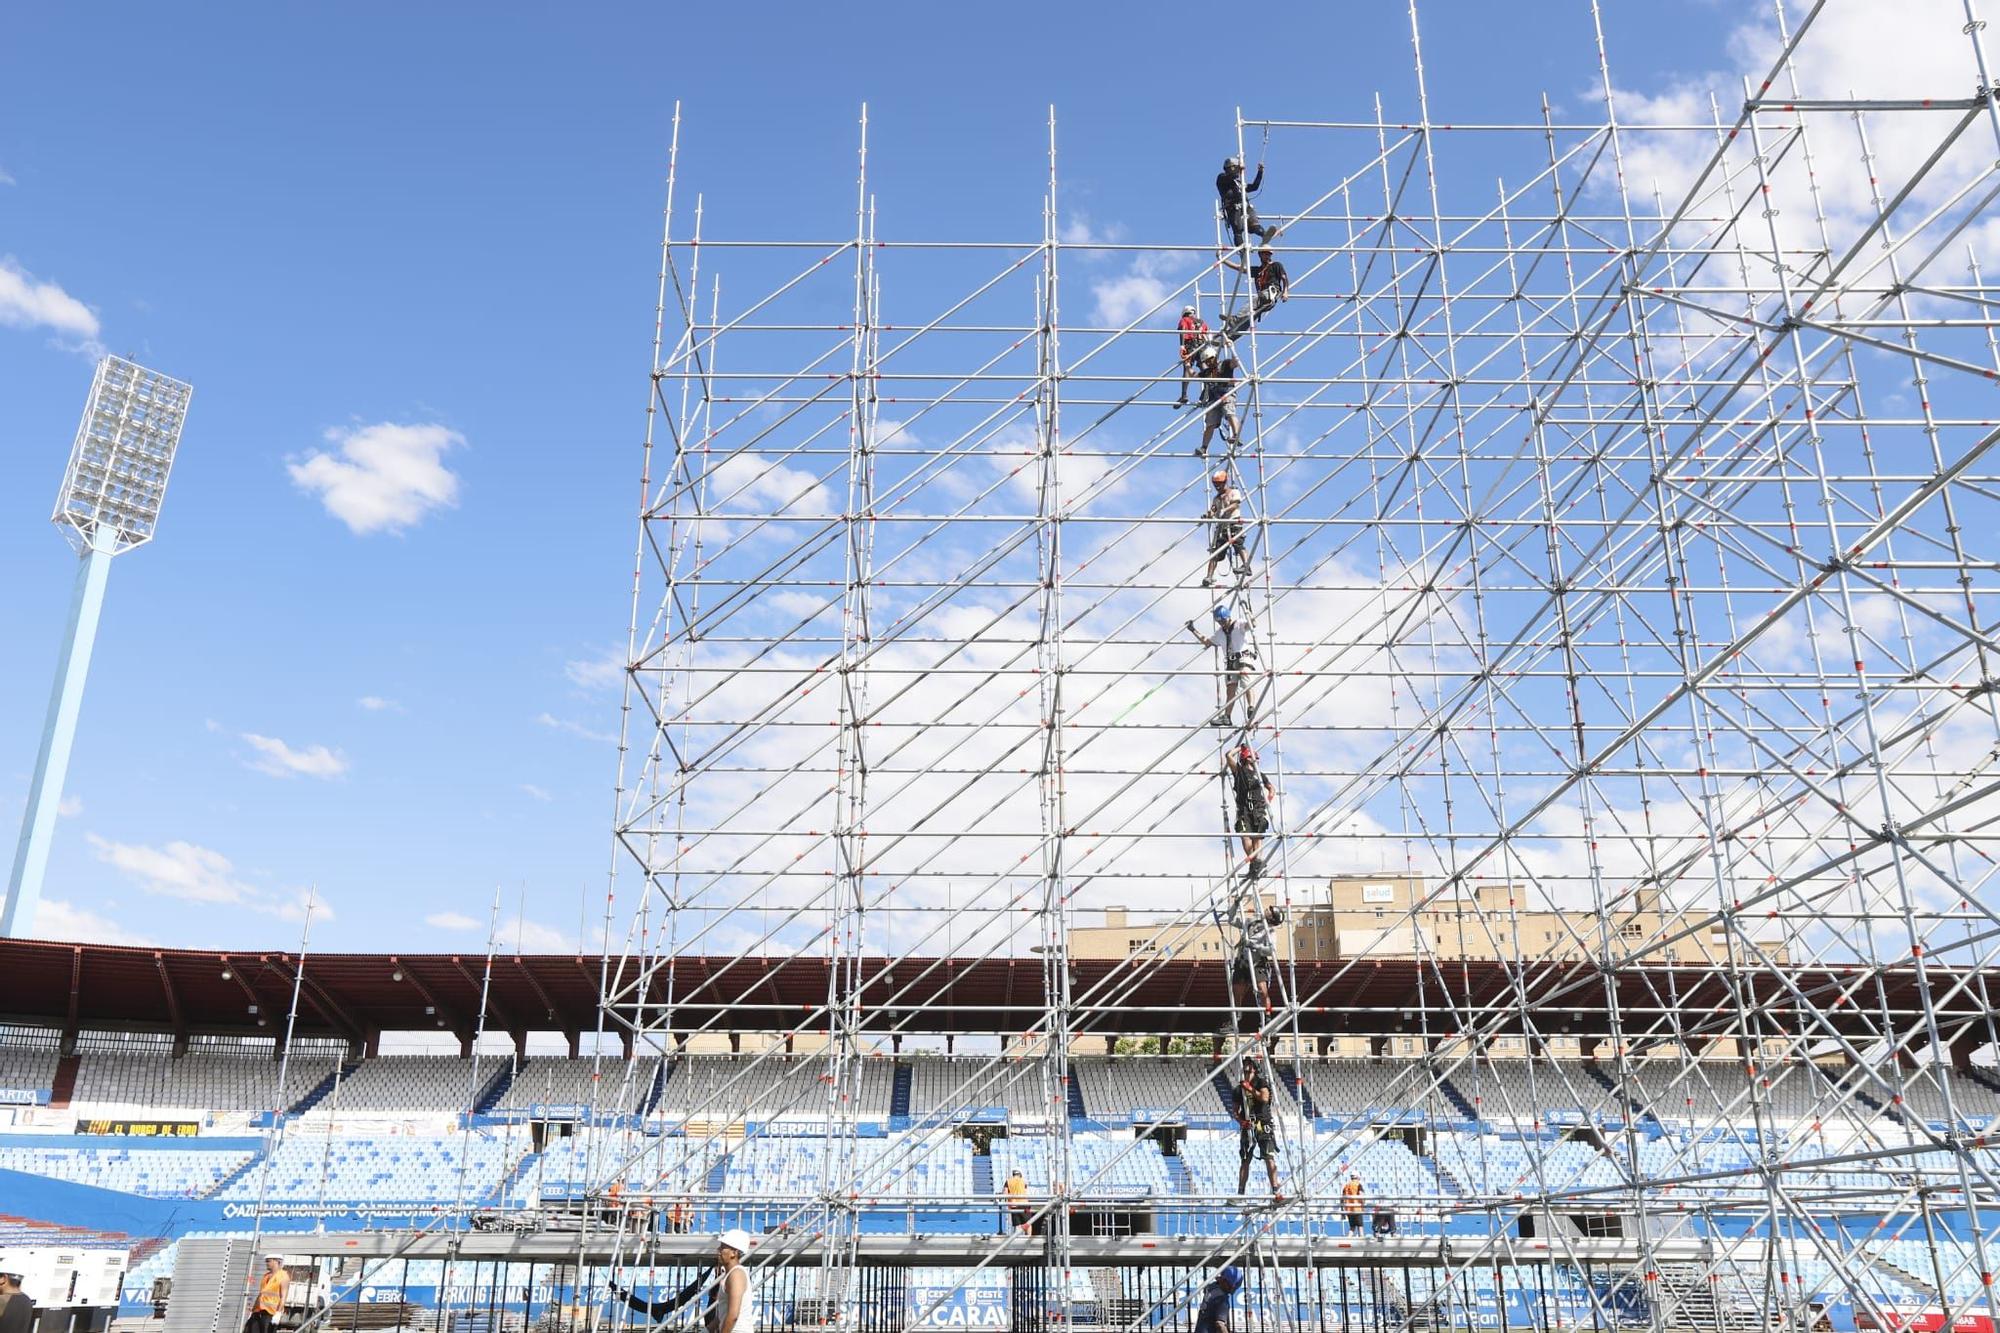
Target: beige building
(1393,916)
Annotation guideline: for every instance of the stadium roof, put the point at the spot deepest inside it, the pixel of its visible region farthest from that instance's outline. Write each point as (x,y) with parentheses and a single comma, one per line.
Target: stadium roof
(76,986)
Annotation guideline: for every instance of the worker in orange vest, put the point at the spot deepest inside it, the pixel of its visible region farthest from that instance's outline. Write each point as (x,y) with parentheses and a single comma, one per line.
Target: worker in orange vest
(1017,1197)
(270,1297)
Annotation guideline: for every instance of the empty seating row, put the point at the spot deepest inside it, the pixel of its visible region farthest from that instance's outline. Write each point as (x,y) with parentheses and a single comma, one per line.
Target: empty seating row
(198,1080)
(309,1167)
(167,1173)
(28,1068)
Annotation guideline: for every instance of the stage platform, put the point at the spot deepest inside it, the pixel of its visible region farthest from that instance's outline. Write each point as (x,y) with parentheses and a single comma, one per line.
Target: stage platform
(604,1247)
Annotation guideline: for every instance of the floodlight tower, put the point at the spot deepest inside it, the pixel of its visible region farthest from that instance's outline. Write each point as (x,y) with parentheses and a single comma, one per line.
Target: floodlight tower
(109,503)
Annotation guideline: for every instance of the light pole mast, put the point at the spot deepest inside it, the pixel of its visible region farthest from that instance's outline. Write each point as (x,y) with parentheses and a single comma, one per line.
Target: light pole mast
(109,503)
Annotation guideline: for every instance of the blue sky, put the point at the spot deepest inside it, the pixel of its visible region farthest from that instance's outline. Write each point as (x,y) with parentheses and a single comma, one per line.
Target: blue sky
(432,231)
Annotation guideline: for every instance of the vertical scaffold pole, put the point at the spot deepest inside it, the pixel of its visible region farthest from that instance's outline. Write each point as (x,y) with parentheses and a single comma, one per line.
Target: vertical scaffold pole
(1057,1022)
(847,936)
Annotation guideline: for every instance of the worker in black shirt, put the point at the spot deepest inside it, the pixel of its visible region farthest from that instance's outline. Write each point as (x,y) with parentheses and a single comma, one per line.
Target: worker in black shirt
(1269,284)
(1237,213)
(1255,1133)
(17,1309)
(1218,395)
(1215,1299)
(1254,793)
(1253,968)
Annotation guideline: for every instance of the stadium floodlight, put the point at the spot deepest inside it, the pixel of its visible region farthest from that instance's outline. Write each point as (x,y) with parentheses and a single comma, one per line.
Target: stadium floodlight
(109,503)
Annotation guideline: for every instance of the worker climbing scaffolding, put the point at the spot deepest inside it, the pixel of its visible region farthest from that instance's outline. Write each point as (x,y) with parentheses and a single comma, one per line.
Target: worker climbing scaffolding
(1256,1127)
(1253,965)
(1233,636)
(1238,214)
(1225,529)
(1252,793)
(1194,336)
(1218,370)
(1269,284)
(1249,920)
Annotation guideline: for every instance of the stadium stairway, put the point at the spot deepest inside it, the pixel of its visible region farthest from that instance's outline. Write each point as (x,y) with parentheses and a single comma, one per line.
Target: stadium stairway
(505,1188)
(982,1176)
(1984,1078)
(65,1081)
(1179,1176)
(1843,1086)
(1288,1074)
(717,1172)
(1457,1098)
(1220,1082)
(1884,1264)
(661,1073)
(1076,1108)
(249,1165)
(899,1091)
(497,1089)
(322,1090)
(1610,1085)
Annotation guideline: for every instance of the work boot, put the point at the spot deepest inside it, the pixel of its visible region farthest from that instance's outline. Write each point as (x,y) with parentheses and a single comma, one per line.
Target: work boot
(1256,867)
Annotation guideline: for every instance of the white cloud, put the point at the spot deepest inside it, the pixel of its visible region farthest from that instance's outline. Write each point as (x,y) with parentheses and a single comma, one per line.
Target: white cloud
(27,303)
(375,703)
(533,937)
(178,870)
(69,807)
(554,723)
(292,906)
(5,179)
(59,920)
(515,932)
(749,482)
(602,672)
(1144,289)
(384,477)
(282,761)
(1080,231)
(539,793)
(1910,50)
(197,874)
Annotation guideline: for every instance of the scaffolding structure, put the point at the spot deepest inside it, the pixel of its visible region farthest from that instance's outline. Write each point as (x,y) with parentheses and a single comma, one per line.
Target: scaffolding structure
(1604,515)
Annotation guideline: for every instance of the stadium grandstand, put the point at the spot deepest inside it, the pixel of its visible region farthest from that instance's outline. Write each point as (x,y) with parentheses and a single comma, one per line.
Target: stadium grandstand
(1522,864)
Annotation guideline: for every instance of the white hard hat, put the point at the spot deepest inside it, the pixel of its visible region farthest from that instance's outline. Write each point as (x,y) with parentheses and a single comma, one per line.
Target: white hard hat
(736,1238)
(1187,310)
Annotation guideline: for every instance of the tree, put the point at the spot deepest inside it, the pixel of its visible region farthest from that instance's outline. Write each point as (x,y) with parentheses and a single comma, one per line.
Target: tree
(1151,1046)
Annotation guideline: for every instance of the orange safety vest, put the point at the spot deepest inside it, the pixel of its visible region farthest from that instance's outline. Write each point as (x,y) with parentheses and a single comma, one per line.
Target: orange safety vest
(271,1293)
(1017,1188)
(1351,1192)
